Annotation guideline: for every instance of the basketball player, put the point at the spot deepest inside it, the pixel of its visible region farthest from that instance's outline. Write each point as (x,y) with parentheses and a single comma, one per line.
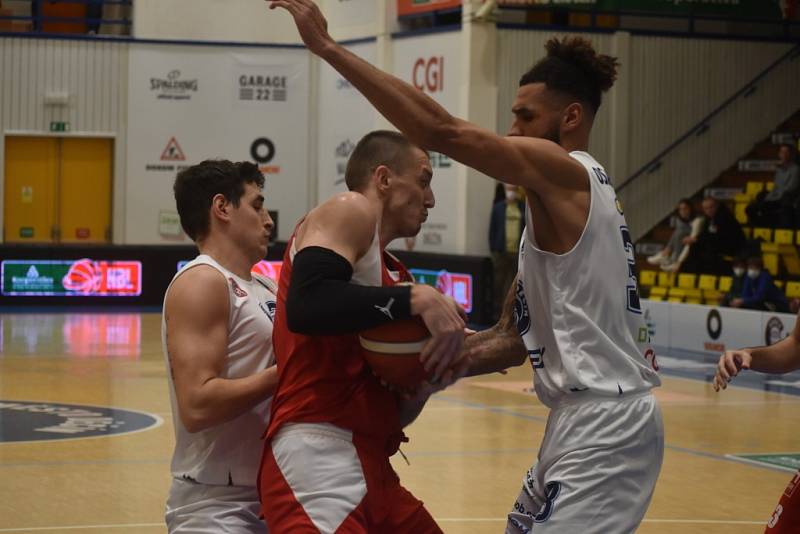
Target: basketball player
(334,426)
(782,357)
(217,338)
(576,299)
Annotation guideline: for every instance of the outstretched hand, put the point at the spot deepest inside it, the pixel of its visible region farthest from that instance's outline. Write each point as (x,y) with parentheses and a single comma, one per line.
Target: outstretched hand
(310,22)
(729,366)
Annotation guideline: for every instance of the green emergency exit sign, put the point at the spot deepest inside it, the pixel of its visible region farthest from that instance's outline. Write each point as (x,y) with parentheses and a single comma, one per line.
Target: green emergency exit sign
(59,126)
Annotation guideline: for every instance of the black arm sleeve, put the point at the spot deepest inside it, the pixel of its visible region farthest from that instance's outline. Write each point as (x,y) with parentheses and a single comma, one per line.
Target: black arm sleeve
(322,301)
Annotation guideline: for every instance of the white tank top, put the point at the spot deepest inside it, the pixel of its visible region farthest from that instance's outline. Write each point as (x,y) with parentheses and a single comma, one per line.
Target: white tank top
(578,313)
(230,453)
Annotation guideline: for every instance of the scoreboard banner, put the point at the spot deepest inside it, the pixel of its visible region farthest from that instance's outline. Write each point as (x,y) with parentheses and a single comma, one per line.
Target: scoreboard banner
(71,278)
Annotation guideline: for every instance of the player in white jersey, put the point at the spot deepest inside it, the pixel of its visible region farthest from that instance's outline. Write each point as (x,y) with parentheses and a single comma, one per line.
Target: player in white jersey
(577,305)
(217,339)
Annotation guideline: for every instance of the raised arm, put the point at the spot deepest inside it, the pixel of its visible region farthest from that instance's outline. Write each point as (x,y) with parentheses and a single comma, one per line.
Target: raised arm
(782,357)
(196,314)
(536,164)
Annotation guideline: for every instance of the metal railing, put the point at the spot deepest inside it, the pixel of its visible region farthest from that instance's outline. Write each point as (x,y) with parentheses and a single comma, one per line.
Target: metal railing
(91,21)
(704,124)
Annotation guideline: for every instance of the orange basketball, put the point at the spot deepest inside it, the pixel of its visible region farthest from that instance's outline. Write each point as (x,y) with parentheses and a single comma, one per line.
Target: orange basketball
(392,351)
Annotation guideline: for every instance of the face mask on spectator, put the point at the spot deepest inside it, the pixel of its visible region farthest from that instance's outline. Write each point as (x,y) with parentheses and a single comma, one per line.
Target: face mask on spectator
(738,271)
(511,196)
(753,273)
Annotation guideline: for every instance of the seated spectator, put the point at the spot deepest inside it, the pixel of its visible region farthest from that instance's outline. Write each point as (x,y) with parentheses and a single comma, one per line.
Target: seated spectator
(775,208)
(505,230)
(759,292)
(720,235)
(735,292)
(677,249)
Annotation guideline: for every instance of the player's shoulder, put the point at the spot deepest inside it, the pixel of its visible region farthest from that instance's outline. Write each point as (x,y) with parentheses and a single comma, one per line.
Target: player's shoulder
(345,208)
(198,285)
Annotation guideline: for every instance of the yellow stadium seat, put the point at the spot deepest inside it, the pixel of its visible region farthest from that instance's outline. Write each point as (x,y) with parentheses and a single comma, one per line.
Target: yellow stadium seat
(693,301)
(771,263)
(784,237)
(740,213)
(793,289)
(687,280)
(647,278)
(749,232)
(675,299)
(707,281)
(658,291)
(656,298)
(677,292)
(762,233)
(780,283)
(797,239)
(741,198)
(666,279)
(693,294)
(714,295)
(753,188)
(769,247)
(770,186)
(725,283)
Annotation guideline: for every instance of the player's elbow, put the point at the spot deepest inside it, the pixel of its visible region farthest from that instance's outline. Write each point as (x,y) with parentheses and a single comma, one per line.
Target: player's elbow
(299,320)
(195,421)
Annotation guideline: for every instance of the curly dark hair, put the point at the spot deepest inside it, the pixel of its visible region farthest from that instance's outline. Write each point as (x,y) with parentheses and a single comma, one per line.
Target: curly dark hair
(196,186)
(573,67)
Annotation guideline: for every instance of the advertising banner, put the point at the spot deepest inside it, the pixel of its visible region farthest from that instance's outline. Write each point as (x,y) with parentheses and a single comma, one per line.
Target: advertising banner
(712,330)
(191,103)
(458,286)
(71,278)
(345,116)
(432,64)
(763,9)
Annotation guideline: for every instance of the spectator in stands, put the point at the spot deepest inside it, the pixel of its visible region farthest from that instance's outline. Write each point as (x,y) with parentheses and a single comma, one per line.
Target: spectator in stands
(677,250)
(775,208)
(737,284)
(505,231)
(759,292)
(720,235)
(94,13)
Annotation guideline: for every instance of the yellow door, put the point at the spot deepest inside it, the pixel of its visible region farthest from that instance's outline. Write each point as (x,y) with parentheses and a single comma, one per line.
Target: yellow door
(31,171)
(85,190)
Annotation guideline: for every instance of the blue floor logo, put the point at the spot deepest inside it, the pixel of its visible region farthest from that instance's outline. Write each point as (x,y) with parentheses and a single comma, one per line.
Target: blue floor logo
(44,421)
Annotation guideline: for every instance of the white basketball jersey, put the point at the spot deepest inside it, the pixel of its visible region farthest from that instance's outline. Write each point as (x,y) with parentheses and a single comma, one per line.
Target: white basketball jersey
(578,313)
(230,453)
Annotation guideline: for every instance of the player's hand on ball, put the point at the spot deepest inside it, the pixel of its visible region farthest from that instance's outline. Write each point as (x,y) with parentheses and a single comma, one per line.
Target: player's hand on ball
(729,366)
(445,320)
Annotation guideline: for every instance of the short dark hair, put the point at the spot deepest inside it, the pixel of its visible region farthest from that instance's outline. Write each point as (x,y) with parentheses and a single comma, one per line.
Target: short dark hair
(574,68)
(381,147)
(196,186)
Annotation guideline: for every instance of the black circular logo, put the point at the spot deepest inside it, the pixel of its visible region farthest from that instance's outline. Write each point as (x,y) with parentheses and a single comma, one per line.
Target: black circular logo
(46,421)
(774,331)
(262,150)
(714,324)
(522,316)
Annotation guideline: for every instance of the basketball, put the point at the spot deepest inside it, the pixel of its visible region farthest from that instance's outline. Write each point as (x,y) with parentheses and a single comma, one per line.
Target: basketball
(392,351)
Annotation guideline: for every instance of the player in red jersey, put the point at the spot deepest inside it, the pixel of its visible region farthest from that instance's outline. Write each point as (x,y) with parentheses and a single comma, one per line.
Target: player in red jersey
(782,357)
(334,426)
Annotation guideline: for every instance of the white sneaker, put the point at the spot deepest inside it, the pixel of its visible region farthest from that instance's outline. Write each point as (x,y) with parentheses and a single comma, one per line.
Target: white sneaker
(657,259)
(670,267)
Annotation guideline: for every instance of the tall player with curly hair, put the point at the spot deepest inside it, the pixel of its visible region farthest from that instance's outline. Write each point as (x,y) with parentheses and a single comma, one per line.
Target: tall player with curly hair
(574,311)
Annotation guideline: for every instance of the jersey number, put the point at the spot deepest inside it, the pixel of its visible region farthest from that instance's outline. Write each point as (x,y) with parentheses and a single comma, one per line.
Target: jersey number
(633,288)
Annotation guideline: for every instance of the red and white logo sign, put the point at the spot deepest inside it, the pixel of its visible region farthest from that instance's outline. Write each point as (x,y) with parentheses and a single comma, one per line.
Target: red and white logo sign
(428,74)
(104,278)
(270,269)
(173,151)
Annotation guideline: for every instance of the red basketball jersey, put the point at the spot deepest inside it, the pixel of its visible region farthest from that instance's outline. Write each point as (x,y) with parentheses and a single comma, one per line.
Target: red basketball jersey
(325,379)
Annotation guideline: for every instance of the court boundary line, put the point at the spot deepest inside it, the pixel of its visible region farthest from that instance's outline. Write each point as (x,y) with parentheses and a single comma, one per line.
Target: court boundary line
(762,464)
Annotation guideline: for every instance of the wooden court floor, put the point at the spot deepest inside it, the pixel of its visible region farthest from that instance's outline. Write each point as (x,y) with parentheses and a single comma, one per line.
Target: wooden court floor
(468,451)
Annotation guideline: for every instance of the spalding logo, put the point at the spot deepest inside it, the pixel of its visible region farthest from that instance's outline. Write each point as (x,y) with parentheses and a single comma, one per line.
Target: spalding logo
(522,316)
